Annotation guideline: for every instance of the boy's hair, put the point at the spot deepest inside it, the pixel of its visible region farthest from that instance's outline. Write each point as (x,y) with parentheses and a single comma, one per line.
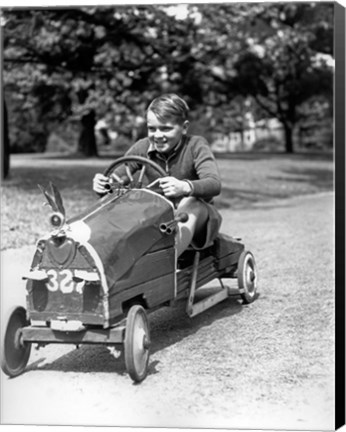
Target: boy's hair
(169,106)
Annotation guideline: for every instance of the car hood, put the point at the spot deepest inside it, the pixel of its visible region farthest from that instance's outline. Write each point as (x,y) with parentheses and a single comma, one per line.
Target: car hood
(122,228)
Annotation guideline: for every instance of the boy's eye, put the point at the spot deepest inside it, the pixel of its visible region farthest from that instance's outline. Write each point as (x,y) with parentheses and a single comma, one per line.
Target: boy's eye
(162,129)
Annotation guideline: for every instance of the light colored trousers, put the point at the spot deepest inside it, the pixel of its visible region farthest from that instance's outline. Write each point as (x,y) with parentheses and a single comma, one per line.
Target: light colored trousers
(193,228)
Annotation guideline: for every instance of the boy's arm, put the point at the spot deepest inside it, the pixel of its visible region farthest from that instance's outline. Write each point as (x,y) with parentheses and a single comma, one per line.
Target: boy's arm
(208,183)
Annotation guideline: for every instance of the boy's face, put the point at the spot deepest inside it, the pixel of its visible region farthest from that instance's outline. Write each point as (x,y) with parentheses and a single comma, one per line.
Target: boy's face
(165,134)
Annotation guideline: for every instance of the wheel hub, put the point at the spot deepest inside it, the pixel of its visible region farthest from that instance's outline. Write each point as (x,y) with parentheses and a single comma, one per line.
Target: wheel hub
(18,339)
(250,276)
(146,342)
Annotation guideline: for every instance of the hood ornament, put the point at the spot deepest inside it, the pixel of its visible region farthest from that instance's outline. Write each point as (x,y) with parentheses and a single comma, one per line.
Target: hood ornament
(54,200)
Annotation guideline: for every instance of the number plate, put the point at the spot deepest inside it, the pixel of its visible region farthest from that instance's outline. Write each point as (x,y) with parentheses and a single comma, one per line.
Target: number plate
(67,325)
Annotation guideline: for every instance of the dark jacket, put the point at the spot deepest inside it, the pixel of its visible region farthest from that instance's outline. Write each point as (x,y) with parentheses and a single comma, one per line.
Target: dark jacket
(190,160)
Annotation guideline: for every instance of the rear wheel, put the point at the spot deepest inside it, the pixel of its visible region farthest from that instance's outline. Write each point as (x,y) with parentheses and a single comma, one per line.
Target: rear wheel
(247,277)
(15,352)
(137,343)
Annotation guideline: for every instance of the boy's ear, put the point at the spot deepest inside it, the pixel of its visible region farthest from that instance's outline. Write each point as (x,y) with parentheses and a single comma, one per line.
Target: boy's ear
(186,125)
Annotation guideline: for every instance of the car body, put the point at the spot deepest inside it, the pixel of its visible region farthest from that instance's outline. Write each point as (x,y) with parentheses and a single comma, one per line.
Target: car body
(94,277)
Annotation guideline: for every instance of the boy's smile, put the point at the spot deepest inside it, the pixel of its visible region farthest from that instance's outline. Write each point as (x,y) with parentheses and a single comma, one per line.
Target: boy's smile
(165,134)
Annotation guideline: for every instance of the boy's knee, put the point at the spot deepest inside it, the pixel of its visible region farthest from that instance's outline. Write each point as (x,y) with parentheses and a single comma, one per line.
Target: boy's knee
(195,226)
(192,205)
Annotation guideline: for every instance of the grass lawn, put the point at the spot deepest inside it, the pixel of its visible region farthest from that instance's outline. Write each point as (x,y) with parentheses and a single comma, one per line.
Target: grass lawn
(248,179)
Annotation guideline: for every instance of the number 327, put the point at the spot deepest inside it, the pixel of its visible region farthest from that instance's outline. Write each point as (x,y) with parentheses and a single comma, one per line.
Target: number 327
(63,280)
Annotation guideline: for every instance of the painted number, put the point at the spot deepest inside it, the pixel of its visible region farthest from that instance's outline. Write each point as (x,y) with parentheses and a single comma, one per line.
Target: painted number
(53,284)
(63,280)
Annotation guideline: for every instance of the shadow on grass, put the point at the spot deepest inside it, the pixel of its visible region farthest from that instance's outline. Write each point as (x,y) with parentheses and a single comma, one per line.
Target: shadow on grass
(298,156)
(66,178)
(240,198)
(79,176)
(169,325)
(323,179)
(292,182)
(246,183)
(55,156)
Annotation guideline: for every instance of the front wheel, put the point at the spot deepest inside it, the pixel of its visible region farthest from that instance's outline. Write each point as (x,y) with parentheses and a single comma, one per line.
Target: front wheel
(137,343)
(15,352)
(247,277)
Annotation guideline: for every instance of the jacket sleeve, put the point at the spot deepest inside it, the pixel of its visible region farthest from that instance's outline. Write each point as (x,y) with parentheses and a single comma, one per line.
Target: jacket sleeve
(208,182)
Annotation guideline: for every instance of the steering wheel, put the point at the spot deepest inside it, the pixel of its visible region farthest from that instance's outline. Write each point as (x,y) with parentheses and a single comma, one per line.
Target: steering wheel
(144,162)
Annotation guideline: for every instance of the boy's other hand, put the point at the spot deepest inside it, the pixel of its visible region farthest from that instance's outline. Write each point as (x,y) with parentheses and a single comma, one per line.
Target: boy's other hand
(174,188)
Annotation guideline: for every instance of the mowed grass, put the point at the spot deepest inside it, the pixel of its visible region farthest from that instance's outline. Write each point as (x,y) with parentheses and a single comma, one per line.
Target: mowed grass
(247,179)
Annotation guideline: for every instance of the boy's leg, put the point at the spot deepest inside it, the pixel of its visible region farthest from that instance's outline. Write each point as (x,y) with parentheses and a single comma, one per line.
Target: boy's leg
(198,216)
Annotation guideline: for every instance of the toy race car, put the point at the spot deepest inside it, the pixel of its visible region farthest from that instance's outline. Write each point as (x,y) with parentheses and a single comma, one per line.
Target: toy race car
(94,277)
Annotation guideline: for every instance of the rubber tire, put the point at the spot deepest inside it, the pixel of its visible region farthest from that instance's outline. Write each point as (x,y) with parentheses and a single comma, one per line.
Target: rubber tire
(247,277)
(14,355)
(137,343)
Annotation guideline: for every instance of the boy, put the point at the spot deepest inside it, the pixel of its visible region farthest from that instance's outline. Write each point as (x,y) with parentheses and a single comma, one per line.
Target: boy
(192,175)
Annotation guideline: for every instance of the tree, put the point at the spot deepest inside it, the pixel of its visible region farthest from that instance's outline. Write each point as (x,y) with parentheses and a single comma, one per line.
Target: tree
(86,61)
(278,54)
(287,59)
(80,63)
(5,143)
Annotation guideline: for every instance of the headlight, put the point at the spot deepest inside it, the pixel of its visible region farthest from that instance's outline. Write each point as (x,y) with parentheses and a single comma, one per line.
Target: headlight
(57,219)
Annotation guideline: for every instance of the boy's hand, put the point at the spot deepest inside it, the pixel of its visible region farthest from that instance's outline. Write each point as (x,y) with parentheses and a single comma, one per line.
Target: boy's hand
(174,188)
(100,183)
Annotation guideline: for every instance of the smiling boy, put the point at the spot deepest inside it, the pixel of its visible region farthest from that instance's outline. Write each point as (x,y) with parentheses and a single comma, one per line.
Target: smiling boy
(192,174)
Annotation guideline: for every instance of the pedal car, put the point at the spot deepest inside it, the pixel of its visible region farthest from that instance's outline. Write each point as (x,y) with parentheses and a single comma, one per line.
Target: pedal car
(94,277)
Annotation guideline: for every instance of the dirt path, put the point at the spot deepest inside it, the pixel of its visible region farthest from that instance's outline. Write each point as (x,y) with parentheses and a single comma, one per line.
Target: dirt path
(267,365)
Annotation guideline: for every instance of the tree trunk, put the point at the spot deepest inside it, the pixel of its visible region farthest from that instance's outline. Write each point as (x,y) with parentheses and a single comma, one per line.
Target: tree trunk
(87,140)
(5,143)
(288,138)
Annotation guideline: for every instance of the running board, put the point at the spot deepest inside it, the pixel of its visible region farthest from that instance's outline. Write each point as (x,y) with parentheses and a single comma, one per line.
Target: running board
(207,303)
(194,309)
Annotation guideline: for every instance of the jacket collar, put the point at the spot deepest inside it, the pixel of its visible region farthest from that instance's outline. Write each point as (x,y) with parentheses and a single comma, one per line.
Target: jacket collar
(151,149)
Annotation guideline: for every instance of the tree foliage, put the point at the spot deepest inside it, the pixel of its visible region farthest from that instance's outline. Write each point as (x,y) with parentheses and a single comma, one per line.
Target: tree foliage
(285,62)
(83,62)
(5,143)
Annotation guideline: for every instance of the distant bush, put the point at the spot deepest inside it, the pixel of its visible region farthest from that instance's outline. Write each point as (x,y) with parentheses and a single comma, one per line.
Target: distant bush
(63,138)
(27,141)
(121,144)
(317,138)
(270,144)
